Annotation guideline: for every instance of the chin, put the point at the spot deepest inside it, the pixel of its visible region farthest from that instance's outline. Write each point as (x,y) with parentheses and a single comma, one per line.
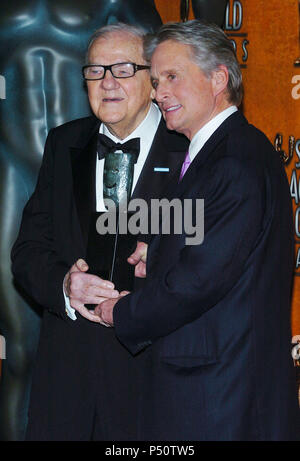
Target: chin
(110,116)
(110,120)
(171,126)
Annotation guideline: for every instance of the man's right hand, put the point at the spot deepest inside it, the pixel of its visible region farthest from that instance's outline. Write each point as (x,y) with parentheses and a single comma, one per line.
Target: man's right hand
(82,288)
(138,259)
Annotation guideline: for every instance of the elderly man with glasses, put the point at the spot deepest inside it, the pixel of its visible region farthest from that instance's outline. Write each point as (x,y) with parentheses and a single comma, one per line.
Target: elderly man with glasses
(86,385)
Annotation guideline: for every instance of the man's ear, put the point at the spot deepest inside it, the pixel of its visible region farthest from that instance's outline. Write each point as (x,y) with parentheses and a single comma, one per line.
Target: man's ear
(220,79)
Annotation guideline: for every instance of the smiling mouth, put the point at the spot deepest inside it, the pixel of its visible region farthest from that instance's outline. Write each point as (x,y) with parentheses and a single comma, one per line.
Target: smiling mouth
(171,109)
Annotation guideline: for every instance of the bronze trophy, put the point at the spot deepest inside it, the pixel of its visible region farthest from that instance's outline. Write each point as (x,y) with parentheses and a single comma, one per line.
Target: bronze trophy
(107,253)
(118,176)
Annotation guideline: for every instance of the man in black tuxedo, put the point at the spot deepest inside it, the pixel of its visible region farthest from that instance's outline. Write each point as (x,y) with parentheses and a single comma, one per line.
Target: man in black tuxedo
(42,44)
(216,315)
(86,385)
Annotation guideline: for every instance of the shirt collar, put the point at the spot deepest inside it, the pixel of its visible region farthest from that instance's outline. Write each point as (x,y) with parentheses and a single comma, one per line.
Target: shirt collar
(148,125)
(200,138)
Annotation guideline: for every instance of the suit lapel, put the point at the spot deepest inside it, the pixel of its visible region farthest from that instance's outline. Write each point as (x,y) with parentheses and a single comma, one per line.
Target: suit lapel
(233,121)
(167,153)
(176,189)
(83,162)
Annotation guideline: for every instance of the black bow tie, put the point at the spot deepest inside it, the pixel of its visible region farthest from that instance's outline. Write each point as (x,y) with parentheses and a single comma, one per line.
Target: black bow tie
(107,145)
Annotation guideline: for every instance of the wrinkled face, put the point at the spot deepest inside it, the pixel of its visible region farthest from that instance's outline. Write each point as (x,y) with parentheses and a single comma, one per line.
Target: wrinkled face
(121,104)
(186,97)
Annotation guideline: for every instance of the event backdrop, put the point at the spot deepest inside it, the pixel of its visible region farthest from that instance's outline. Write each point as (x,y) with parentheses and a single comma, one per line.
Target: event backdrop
(42,49)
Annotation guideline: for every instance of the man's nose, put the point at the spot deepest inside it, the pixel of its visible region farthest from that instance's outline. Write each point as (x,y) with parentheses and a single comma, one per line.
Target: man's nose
(109,81)
(161,93)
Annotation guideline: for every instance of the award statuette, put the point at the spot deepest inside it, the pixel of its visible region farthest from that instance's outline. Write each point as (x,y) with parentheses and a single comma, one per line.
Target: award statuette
(107,253)
(118,176)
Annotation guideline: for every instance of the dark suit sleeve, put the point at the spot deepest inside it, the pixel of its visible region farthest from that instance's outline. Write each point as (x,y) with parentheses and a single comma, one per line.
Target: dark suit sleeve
(202,274)
(35,264)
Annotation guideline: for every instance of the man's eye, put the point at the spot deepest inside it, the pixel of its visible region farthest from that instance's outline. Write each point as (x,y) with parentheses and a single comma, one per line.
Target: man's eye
(171,77)
(154,84)
(123,72)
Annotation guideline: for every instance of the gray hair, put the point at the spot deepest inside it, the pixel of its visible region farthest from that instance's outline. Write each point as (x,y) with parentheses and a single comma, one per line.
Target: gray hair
(210,47)
(120,27)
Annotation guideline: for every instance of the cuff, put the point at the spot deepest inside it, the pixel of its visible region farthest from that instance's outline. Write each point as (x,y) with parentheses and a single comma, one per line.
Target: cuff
(69,310)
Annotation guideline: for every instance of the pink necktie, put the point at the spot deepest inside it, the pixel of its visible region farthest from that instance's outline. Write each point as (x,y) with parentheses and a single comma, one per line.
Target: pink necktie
(185,165)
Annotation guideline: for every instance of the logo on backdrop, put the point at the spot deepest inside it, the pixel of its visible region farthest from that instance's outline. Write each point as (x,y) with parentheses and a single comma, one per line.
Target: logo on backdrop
(295,194)
(287,154)
(233,24)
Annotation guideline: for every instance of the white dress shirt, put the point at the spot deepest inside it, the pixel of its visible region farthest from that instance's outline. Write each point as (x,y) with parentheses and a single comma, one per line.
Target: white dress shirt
(200,138)
(146,132)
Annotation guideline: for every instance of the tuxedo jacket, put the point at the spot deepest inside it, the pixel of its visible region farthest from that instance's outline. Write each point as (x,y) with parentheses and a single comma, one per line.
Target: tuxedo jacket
(80,365)
(216,316)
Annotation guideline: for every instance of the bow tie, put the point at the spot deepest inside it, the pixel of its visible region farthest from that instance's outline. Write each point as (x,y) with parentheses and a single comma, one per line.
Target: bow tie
(107,145)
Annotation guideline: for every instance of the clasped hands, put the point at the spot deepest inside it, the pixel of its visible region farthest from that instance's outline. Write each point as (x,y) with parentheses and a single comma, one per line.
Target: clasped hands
(83,288)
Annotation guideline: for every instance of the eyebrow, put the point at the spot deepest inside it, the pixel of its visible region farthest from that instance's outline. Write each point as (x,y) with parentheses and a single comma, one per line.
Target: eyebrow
(168,71)
(119,62)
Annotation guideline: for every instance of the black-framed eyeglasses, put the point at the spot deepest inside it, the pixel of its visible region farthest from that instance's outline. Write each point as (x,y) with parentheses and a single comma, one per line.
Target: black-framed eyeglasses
(119,70)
